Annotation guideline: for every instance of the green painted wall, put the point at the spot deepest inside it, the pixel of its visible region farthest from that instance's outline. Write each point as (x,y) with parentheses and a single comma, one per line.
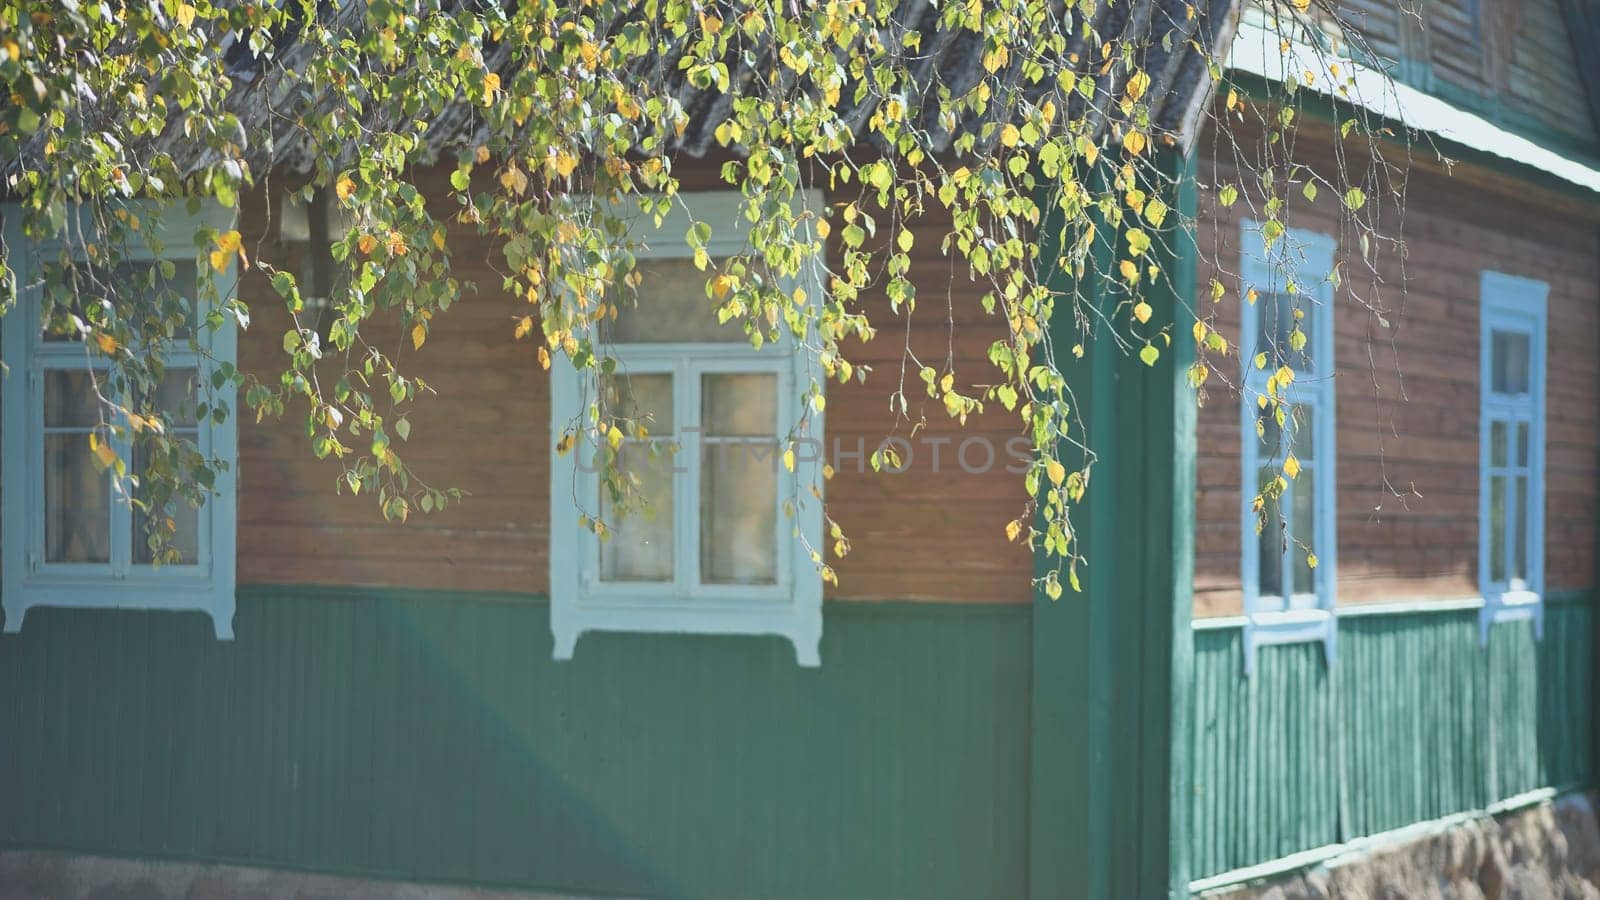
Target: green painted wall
(431,737)
(1415,721)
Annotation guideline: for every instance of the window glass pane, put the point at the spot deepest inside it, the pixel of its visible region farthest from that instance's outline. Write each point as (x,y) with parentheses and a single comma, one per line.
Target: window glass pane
(179,523)
(1276,335)
(70,400)
(640,546)
(1519,536)
(1522,443)
(1271,446)
(1509,361)
(1303,420)
(1497,443)
(77,500)
(739,479)
(673,307)
(1302,528)
(1497,529)
(645,399)
(740,405)
(138,283)
(1270,566)
(175,398)
(739,515)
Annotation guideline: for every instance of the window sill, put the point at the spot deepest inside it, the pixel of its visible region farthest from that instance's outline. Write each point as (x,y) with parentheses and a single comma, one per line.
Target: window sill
(1292,626)
(800,623)
(1510,606)
(143,594)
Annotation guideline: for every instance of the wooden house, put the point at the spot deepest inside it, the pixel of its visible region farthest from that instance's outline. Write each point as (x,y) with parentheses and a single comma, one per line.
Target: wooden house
(485,697)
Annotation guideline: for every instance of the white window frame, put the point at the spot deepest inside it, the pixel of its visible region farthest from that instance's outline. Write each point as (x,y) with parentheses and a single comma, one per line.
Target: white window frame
(29,581)
(1307,257)
(792,607)
(1515,304)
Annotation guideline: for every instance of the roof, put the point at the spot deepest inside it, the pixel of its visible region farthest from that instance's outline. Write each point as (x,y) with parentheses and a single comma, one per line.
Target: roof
(1257,49)
(1179,93)
(1583,27)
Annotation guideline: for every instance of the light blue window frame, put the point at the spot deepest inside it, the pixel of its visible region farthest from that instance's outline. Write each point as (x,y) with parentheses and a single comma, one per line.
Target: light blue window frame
(792,606)
(28,580)
(1515,306)
(1280,616)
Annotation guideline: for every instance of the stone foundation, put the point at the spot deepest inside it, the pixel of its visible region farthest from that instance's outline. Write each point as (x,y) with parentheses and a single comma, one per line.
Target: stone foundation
(51,875)
(1544,852)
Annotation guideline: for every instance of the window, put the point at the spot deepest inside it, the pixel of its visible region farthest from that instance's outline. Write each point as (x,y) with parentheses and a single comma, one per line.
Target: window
(1511,450)
(717,539)
(1288,567)
(71,535)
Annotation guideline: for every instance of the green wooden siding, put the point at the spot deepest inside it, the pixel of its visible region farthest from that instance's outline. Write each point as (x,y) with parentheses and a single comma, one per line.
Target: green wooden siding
(1414,722)
(431,737)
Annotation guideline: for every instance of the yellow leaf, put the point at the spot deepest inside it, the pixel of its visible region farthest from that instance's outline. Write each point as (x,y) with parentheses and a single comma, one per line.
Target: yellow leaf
(524,325)
(788,459)
(564,163)
(1133,142)
(419,333)
(1142,311)
(720,286)
(1199,330)
(108,344)
(491,84)
(1013,529)
(1137,85)
(104,456)
(344,187)
(544,359)
(1056,471)
(228,244)
(1009,135)
(823,228)
(1291,466)
(512,179)
(1130,272)
(366,243)
(614,437)
(481,154)
(438,238)
(185,15)
(397,244)
(954,407)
